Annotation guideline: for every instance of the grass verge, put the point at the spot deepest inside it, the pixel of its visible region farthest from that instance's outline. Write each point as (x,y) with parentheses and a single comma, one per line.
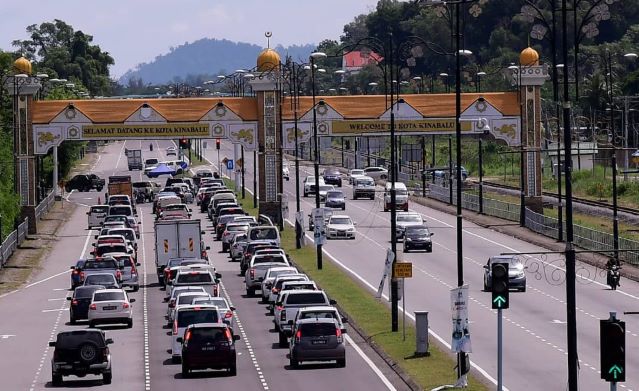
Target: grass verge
(373,317)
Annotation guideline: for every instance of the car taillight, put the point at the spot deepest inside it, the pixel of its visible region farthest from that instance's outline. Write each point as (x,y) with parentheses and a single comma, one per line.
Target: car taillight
(187,335)
(252,273)
(228,335)
(125,305)
(81,275)
(75,272)
(338,333)
(283,315)
(175,327)
(93,307)
(229,314)
(298,335)
(74,302)
(118,274)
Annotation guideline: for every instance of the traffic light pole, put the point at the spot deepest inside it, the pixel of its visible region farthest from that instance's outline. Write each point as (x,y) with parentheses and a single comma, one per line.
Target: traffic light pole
(500,371)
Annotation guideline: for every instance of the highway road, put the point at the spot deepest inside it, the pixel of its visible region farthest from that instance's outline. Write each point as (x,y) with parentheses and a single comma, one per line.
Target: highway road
(35,313)
(534,326)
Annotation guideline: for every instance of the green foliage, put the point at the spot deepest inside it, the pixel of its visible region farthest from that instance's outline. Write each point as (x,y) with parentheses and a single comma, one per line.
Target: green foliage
(62,52)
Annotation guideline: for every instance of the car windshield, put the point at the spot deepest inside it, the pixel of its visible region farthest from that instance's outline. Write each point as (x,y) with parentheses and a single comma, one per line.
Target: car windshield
(99,279)
(183,289)
(219,302)
(357,172)
(193,316)
(120,210)
(326,187)
(128,235)
(151,161)
(74,339)
(99,209)
(410,218)
(85,292)
(275,273)
(401,192)
(417,232)
(331,171)
(340,220)
(105,264)
(258,233)
(268,258)
(317,329)
(187,299)
(201,335)
(111,249)
(306,298)
(335,194)
(365,182)
(194,277)
(318,314)
(108,296)
(237,228)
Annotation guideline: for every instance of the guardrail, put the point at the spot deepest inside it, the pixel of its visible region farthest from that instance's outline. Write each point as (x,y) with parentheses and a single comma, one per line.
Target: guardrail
(585,237)
(16,237)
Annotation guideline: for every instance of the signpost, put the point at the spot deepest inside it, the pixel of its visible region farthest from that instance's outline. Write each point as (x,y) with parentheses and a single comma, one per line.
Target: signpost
(403,270)
(229,164)
(388,265)
(319,233)
(459,309)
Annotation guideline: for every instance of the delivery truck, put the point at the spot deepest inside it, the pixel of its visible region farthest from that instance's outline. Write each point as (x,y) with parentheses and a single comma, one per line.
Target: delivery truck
(134,159)
(120,185)
(177,239)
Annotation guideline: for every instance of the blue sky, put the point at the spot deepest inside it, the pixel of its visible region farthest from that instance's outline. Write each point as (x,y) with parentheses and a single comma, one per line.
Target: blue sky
(136,31)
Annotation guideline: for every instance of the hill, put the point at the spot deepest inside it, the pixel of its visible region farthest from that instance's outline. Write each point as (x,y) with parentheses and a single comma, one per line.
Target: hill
(205,56)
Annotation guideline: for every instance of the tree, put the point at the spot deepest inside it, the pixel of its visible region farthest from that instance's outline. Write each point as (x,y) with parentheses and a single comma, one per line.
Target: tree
(64,53)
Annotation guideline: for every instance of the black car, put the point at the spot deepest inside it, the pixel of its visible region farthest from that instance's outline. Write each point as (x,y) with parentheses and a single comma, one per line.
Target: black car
(417,238)
(79,353)
(80,302)
(208,345)
(84,182)
(332,176)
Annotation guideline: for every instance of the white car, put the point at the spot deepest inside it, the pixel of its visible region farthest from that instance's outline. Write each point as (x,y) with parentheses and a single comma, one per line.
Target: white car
(354,174)
(340,226)
(184,297)
(186,315)
(110,306)
(171,151)
(376,172)
(309,185)
(225,312)
(269,278)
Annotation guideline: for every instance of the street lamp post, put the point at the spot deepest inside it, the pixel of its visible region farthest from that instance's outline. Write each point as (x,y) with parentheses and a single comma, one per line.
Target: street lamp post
(315,56)
(479,75)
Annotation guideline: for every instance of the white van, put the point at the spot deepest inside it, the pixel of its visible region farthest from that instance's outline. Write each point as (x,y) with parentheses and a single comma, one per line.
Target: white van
(263,232)
(401,197)
(97,214)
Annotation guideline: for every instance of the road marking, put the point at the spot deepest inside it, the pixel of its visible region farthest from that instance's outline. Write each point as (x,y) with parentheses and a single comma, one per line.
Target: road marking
(6,336)
(54,310)
(412,317)
(145,311)
(247,342)
(119,158)
(370,363)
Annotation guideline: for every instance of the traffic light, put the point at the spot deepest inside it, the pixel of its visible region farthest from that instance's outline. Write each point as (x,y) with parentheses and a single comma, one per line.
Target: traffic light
(185,143)
(613,350)
(218,142)
(500,285)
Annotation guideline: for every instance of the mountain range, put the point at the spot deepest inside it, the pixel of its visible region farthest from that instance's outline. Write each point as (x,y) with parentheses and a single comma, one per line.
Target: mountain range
(206,56)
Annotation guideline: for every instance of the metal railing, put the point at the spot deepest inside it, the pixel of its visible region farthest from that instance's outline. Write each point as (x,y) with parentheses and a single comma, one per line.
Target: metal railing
(16,237)
(585,237)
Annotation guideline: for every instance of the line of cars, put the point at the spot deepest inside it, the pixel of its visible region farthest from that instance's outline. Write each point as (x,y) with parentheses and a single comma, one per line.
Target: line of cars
(306,320)
(98,294)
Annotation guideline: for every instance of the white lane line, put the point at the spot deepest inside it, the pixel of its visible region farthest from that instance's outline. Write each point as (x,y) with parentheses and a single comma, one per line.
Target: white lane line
(119,158)
(145,312)
(409,315)
(247,342)
(370,363)
(54,310)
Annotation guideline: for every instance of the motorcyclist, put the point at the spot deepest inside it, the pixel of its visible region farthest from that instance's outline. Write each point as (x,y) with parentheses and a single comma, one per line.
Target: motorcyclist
(612,266)
(151,147)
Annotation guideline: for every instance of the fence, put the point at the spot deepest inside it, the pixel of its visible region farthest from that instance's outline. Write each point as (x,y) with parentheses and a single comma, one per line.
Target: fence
(584,237)
(16,237)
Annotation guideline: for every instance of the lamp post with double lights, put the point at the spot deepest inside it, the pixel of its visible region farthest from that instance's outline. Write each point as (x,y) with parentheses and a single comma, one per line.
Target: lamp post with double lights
(314,57)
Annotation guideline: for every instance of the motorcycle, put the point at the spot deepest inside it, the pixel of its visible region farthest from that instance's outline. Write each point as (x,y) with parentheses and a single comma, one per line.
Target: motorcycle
(613,276)
(151,147)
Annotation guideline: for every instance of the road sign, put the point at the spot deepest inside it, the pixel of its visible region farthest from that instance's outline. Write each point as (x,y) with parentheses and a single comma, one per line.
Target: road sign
(403,270)
(388,266)
(229,164)
(459,308)
(319,229)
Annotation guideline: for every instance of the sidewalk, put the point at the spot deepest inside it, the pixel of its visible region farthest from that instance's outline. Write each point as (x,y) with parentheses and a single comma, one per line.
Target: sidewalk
(513,229)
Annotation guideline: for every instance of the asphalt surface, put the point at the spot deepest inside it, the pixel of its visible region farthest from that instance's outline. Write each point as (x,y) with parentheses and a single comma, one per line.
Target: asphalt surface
(34,314)
(534,325)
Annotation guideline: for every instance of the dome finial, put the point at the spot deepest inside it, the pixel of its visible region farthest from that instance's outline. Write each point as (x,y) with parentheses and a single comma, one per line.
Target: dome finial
(268,36)
(529,57)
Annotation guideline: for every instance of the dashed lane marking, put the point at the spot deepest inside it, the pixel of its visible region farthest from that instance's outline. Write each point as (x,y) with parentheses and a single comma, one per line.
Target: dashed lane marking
(247,342)
(145,312)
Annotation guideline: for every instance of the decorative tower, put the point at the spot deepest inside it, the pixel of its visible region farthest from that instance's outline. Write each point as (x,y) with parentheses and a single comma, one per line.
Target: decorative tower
(22,87)
(265,85)
(529,76)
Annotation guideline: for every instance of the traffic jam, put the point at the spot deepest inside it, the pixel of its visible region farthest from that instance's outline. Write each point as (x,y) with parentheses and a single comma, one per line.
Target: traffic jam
(201,322)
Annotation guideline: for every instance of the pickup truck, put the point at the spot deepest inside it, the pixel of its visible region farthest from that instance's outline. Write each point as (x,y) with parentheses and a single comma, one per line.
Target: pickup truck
(84,182)
(289,303)
(92,266)
(258,267)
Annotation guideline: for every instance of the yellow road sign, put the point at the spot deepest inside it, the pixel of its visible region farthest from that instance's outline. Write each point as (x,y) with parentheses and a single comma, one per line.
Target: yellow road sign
(403,270)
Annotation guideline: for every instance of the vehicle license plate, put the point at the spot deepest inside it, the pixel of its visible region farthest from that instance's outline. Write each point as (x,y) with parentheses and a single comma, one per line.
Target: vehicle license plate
(208,348)
(319,342)
(109,308)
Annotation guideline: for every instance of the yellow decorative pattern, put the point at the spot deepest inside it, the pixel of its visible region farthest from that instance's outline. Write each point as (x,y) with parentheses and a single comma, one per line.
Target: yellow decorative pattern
(45,138)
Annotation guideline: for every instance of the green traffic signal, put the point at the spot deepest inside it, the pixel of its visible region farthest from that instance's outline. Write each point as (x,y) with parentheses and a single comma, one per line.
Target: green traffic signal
(615,371)
(613,350)
(500,285)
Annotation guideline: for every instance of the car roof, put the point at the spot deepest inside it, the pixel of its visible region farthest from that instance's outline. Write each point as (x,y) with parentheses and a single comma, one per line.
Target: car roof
(341,216)
(319,308)
(110,290)
(218,325)
(300,291)
(186,307)
(317,320)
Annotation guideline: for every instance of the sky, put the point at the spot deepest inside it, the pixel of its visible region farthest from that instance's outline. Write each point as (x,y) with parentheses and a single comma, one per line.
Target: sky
(136,31)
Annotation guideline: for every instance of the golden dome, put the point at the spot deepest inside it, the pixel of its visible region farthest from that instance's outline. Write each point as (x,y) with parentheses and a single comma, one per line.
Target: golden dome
(268,60)
(22,65)
(528,57)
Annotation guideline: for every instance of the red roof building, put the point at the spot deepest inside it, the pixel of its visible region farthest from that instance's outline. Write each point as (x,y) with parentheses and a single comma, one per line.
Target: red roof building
(352,62)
